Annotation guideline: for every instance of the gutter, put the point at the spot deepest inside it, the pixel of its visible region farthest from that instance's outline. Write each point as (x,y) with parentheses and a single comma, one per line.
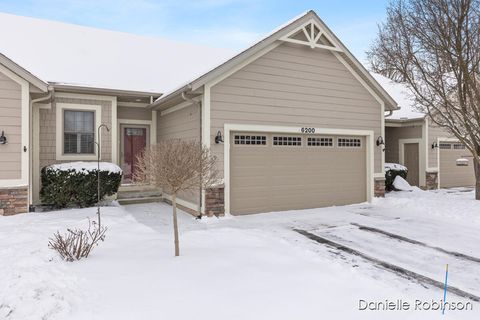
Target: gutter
(170,96)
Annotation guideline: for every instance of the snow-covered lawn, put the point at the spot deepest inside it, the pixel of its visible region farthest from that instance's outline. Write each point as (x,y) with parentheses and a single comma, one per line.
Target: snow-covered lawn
(251,267)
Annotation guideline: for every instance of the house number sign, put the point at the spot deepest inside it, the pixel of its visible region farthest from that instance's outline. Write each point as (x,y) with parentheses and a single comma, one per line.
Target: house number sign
(308,130)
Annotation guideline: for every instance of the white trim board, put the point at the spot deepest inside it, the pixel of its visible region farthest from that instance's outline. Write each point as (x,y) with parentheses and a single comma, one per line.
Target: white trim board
(25,129)
(422,166)
(59,130)
(368,134)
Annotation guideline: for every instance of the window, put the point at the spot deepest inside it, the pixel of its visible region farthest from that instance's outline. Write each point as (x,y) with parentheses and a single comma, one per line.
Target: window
(78,132)
(445,146)
(319,142)
(459,146)
(349,142)
(250,140)
(287,141)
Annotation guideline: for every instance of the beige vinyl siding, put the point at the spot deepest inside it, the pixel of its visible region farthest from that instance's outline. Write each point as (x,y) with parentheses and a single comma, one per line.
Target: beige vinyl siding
(182,124)
(434,133)
(393,134)
(11,124)
(295,85)
(134,113)
(452,175)
(48,133)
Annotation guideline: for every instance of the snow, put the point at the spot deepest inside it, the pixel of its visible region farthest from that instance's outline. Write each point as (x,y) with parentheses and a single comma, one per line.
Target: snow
(394,166)
(242,267)
(72,54)
(81,166)
(401,184)
(400,93)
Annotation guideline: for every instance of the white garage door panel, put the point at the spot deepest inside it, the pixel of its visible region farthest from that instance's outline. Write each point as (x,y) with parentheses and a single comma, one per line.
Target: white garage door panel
(267,178)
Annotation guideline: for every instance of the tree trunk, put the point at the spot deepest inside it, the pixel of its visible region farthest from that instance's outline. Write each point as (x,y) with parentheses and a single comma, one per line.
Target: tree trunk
(476,165)
(175,225)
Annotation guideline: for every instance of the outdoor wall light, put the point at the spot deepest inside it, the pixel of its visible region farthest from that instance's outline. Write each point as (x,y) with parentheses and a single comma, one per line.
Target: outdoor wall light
(434,145)
(380,141)
(218,137)
(3,139)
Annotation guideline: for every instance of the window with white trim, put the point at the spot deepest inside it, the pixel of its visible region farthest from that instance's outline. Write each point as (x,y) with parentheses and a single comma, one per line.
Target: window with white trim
(319,142)
(445,146)
(250,140)
(349,142)
(287,141)
(458,146)
(78,132)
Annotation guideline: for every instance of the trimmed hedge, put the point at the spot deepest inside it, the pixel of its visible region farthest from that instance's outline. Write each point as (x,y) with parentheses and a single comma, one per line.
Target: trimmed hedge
(77,186)
(390,175)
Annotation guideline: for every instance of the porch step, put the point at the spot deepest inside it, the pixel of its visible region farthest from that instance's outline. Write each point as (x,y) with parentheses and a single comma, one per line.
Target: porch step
(126,201)
(138,191)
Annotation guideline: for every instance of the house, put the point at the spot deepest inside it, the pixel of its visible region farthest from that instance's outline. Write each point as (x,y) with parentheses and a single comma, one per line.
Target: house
(294,119)
(434,157)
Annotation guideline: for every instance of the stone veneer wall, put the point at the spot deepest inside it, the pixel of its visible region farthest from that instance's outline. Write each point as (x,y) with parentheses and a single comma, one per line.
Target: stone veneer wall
(431,180)
(215,201)
(379,187)
(13,201)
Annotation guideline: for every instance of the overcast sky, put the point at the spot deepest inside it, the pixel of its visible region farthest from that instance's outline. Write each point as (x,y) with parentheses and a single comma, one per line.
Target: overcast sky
(221,23)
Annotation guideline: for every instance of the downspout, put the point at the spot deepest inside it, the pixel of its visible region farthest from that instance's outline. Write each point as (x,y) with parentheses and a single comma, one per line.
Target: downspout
(390,112)
(199,105)
(32,146)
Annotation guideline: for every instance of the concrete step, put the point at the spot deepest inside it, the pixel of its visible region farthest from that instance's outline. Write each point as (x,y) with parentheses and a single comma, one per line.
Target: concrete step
(138,194)
(139,200)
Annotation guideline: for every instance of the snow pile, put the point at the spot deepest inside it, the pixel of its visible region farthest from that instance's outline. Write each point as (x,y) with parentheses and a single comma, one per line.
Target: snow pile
(401,184)
(83,167)
(401,94)
(394,166)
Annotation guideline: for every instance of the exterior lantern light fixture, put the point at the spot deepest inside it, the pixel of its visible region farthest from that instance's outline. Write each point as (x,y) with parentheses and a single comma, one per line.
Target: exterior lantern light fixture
(434,145)
(380,141)
(218,138)
(3,139)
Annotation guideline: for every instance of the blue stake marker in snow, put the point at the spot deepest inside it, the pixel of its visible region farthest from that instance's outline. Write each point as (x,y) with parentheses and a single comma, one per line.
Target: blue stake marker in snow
(445,290)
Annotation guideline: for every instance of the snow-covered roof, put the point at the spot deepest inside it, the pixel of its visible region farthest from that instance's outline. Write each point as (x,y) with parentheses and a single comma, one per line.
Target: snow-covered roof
(75,55)
(400,93)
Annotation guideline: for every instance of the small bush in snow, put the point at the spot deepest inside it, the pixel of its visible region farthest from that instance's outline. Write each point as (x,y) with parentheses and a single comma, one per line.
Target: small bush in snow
(75,184)
(77,244)
(392,170)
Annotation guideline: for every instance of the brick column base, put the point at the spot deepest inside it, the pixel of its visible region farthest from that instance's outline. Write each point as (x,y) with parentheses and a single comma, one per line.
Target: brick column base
(379,187)
(431,180)
(215,201)
(13,201)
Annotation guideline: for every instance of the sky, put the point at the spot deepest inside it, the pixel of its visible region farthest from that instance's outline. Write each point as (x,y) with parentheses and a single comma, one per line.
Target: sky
(232,24)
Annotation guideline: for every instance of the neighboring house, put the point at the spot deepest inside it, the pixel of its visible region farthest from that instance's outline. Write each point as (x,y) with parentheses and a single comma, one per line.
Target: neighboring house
(434,158)
(293,119)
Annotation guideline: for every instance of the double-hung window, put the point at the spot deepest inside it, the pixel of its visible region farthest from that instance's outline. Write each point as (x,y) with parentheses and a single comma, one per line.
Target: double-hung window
(78,132)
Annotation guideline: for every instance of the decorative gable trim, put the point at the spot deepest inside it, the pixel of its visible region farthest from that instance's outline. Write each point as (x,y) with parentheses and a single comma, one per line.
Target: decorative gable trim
(312,35)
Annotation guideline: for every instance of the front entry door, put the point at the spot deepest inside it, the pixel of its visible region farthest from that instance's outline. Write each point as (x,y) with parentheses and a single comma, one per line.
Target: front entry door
(411,161)
(134,142)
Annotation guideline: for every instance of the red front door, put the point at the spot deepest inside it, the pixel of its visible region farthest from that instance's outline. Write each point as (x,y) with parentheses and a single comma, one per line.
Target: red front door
(134,142)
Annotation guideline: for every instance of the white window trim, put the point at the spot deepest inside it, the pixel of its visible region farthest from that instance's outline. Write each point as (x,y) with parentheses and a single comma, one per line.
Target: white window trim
(25,130)
(229,128)
(60,107)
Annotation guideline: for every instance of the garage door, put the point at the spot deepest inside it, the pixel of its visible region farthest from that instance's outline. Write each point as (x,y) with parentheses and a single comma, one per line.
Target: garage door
(454,171)
(278,172)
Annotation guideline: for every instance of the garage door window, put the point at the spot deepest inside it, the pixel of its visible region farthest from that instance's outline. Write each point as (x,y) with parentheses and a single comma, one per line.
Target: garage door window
(287,141)
(459,146)
(250,140)
(445,146)
(319,142)
(349,143)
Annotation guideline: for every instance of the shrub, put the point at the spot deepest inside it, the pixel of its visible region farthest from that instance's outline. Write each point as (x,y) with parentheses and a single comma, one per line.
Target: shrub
(74,184)
(77,244)
(391,171)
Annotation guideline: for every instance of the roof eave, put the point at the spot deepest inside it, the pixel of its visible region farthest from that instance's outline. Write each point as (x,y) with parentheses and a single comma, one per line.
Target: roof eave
(24,73)
(99,90)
